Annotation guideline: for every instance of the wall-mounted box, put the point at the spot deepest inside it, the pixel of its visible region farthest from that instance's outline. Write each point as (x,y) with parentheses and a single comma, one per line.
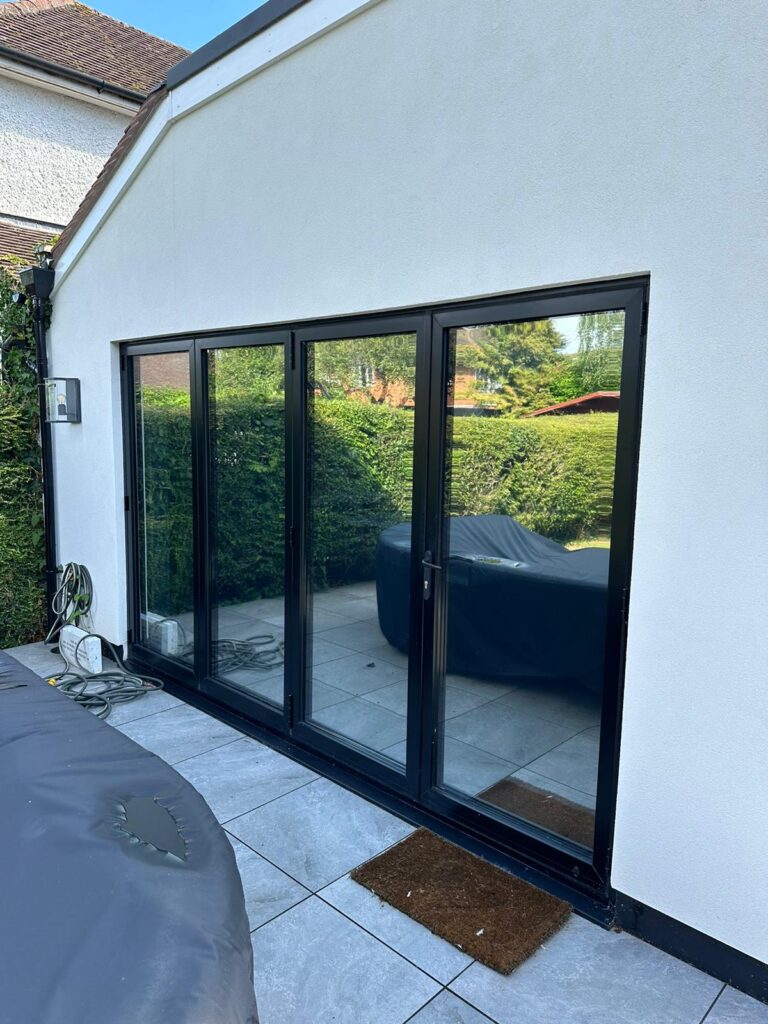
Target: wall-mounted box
(62,399)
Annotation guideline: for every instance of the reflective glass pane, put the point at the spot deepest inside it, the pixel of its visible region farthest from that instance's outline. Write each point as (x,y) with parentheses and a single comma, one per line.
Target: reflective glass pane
(246,394)
(532,416)
(164,502)
(360,417)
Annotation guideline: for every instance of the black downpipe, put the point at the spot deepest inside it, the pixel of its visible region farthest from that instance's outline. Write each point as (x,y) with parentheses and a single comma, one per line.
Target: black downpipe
(38,284)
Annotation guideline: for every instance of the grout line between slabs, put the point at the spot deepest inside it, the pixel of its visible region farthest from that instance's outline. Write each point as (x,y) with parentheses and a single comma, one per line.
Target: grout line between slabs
(712,1006)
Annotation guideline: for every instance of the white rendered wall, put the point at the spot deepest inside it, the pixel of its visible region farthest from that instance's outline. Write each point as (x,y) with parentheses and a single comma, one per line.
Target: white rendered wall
(51,149)
(434,149)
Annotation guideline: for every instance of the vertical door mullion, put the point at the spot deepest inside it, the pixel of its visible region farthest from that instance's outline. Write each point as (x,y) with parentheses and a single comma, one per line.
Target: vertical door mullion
(200,520)
(434,633)
(418,669)
(131,494)
(295,583)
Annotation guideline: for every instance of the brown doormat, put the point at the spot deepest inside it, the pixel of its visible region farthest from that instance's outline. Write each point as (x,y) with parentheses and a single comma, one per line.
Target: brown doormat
(487,913)
(555,813)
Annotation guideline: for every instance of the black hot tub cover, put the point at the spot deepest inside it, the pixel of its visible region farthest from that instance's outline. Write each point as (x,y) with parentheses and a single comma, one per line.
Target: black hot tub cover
(95,926)
(519,605)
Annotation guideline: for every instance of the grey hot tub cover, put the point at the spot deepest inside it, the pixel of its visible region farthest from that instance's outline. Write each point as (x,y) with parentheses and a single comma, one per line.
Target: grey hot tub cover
(96,927)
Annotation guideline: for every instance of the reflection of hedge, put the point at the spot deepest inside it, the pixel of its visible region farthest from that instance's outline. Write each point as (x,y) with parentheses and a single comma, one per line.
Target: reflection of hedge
(552,474)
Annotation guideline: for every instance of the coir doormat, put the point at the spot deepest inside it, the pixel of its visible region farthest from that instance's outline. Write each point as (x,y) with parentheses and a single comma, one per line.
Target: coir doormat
(552,812)
(487,913)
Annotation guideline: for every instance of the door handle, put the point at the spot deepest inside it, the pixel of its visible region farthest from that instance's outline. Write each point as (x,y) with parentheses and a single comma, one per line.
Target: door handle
(428,568)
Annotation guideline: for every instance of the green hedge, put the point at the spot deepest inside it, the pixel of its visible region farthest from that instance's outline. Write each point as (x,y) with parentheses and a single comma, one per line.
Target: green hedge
(553,474)
(22,558)
(22,545)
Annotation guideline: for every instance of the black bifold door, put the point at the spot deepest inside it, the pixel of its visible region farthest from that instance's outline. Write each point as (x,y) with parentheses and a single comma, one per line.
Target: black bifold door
(404,543)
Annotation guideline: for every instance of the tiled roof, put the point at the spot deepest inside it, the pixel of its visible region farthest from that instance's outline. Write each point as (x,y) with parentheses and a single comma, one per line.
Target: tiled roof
(77,38)
(20,242)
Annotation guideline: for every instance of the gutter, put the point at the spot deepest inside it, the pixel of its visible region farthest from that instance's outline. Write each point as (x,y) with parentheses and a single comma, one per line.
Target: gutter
(99,84)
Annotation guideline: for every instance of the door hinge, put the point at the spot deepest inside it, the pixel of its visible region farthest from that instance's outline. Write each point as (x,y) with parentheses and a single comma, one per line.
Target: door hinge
(293,352)
(289,710)
(644,321)
(127,503)
(291,536)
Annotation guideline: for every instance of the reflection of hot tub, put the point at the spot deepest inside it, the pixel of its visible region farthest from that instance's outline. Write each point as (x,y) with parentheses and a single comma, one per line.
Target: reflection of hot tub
(519,605)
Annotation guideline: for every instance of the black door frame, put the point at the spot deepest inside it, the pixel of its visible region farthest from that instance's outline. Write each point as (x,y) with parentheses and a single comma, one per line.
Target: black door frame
(431,324)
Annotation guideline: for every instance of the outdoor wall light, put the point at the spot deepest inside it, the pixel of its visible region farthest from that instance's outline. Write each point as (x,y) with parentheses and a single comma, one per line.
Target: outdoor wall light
(62,400)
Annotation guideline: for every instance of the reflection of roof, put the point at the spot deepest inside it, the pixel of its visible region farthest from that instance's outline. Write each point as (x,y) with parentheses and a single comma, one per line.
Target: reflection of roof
(596,401)
(19,241)
(72,39)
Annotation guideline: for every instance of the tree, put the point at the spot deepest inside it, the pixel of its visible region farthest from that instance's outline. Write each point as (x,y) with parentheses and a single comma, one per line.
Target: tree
(381,370)
(601,341)
(513,363)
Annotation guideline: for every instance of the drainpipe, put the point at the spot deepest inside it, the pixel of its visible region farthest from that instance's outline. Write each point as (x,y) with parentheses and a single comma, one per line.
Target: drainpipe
(38,285)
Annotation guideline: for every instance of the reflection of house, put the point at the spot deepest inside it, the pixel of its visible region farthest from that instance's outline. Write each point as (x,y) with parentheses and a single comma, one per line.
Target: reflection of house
(597,401)
(71,80)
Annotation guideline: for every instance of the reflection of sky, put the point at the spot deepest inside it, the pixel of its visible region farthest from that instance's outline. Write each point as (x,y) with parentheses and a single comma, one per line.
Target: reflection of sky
(568,326)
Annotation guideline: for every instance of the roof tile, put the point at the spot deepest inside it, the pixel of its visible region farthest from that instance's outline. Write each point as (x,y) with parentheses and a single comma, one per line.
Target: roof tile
(78,38)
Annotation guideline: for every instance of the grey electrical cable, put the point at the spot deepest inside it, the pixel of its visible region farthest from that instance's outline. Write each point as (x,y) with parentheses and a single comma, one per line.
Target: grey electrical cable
(72,599)
(101,691)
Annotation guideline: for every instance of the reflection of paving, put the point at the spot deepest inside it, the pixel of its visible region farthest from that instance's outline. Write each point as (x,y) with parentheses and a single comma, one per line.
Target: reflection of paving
(325,949)
(542,733)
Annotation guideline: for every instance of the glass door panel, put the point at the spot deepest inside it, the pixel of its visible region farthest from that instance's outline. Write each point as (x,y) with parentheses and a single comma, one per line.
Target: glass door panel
(164,520)
(360,409)
(246,403)
(531,428)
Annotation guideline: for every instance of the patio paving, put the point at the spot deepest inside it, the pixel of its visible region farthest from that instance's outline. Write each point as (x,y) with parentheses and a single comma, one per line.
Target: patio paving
(543,733)
(329,952)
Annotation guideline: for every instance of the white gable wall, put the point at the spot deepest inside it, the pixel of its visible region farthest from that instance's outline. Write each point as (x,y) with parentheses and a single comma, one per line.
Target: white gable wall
(434,149)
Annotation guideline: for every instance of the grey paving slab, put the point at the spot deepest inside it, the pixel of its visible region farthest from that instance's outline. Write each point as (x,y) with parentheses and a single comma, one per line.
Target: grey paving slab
(179,733)
(319,832)
(268,891)
(359,636)
(322,619)
(324,696)
(574,763)
(356,608)
(358,673)
(490,688)
(150,704)
(507,733)
(314,966)
(240,776)
(269,685)
(391,654)
(734,1007)
(38,658)
(366,723)
(465,768)
(541,782)
(569,706)
(261,608)
(395,698)
(412,940)
(446,1008)
(587,975)
(324,651)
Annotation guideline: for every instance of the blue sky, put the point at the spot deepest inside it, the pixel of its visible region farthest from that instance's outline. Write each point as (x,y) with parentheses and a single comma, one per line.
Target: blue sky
(188,23)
